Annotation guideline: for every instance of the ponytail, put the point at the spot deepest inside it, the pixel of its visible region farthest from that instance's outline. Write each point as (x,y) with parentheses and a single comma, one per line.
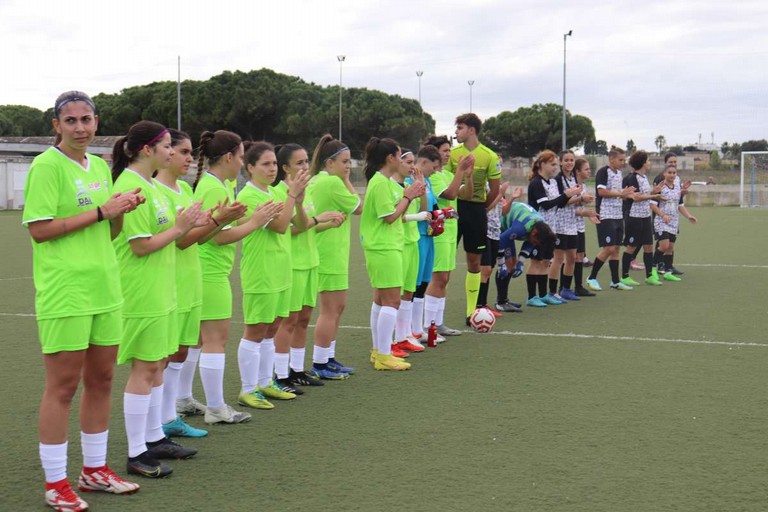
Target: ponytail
(120,160)
(376,152)
(126,149)
(205,138)
(544,156)
(327,148)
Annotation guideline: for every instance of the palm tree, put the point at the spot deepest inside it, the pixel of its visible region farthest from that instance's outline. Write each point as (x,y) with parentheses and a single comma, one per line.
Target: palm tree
(661,143)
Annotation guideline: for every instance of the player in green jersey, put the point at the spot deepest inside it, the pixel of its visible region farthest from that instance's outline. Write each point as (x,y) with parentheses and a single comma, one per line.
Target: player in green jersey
(331,190)
(68,194)
(223,152)
(146,253)
(291,337)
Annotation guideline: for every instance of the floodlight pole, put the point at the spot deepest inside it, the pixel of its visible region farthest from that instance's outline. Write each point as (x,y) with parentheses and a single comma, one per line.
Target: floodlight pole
(178,95)
(341,59)
(471,83)
(565,36)
(418,74)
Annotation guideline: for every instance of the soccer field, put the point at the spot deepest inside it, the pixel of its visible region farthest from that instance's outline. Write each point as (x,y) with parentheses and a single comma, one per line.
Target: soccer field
(649,400)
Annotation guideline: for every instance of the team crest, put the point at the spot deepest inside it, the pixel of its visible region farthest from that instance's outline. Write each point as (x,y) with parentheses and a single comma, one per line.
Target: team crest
(83,197)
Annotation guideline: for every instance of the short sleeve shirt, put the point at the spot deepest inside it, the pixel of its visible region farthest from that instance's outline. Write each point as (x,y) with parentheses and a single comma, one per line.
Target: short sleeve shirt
(539,191)
(608,207)
(303,249)
(669,204)
(566,215)
(216,260)
(381,198)
(486,168)
(638,209)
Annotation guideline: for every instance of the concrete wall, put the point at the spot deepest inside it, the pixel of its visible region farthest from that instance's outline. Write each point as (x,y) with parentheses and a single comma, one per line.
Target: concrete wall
(13,175)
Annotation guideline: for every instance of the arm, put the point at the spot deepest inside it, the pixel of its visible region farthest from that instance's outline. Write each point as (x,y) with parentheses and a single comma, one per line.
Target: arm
(409,194)
(351,188)
(493,194)
(684,212)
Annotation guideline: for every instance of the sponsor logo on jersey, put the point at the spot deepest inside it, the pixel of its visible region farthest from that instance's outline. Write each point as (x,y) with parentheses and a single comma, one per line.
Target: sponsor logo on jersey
(83,197)
(161,212)
(94,186)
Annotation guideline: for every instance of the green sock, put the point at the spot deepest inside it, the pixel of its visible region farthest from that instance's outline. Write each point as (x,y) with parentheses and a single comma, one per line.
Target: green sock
(472,287)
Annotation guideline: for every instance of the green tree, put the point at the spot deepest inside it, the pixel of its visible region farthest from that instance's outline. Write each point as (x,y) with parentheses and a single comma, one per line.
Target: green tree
(714,161)
(529,130)
(596,147)
(631,148)
(755,145)
(22,121)
(660,142)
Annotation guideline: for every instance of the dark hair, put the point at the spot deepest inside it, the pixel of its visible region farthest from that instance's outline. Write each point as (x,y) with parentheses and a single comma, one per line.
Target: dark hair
(143,133)
(214,145)
(470,120)
(70,96)
(253,151)
(541,235)
(669,155)
(284,152)
(404,151)
(178,136)
(437,140)
(670,166)
(638,159)
(615,151)
(429,152)
(545,156)
(327,147)
(376,152)
(579,164)
(564,152)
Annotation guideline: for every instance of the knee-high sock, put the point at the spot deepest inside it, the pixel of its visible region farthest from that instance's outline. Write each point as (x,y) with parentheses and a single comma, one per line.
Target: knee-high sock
(282,360)
(552,286)
(472,288)
(596,266)
(154,421)
(385,329)
(531,281)
(626,260)
(431,307)
(578,274)
(171,377)
(403,327)
(440,311)
(135,410)
(375,312)
(297,359)
(542,282)
(188,373)
(267,362)
(54,460)
(502,288)
(95,448)
(614,265)
(248,360)
(417,315)
(482,294)
(648,262)
(212,375)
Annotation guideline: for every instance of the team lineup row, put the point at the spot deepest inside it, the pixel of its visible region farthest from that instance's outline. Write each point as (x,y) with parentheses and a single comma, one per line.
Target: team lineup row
(150,286)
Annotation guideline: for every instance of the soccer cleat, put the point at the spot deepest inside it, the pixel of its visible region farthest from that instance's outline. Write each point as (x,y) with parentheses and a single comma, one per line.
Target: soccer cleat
(104,479)
(399,353)
(560,298)
(60,496)
(255,399)
(468,323)
(593,285)
(583,292)
(676,272)
(536,302)
(288,386)
(621,286)
(167,449)
(653,281)
(636,266)
(447,331)
(414,341)
(189,407)
(225,414)
(586,262)
(551,300)
(495,313)
(336,366)
(327,374)
(178,428)
(568,294)
(655,273)
(508,307)
(407,346)
(669,276)
(302,379)
(629,281)
(276,391)
(387,362)
(148,467)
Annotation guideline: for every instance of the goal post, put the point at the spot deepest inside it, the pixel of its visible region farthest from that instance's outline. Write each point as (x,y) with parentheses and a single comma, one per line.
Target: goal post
(753,190)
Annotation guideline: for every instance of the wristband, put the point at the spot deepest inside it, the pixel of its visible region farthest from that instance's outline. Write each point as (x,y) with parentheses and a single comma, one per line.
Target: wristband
(316,221)
(214,221)
(407,199)
(99,214)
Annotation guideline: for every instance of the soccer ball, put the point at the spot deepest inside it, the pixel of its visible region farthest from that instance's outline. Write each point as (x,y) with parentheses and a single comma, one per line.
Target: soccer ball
(482,320)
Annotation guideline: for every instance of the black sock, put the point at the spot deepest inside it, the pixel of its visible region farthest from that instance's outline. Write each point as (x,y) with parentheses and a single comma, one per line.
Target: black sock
(648,262)
(482,295)
(657,256)
(542,281)
(596,266)
(531,280)
(672,260)
(626,259)
(614,264)
(667,258)
(578,274)
(552,286)
(502,288)
(566,281)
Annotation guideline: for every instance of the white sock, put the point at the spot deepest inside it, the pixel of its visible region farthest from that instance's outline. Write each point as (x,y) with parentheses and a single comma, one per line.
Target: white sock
(297,359)
(440,311)
(431,306)
(332,350)
(385,329)
(212,375)
(135,409)
(267,362)
(417,316)
(375,310)
(248,359)
(403,324)
(94,449)
(281,364)
(171,376)
(188,373)
(319,355)
(154,422)
(54,460)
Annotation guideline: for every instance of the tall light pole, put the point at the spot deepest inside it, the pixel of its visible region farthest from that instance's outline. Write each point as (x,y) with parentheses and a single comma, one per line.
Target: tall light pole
(471,83)
(418,74)
(565,36)
(178,95)
(341,59)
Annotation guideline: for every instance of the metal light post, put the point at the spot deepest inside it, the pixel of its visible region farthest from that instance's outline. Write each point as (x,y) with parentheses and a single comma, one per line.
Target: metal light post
(178,95)
(471,83)
(341,59)
(565,36)
(418,74)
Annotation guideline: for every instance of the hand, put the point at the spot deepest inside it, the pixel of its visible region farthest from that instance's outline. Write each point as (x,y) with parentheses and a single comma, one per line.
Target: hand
(503,188)
(587,198)
(335,218)
(415,190)
(228,213)
(666,218)
(658,188)
(297,184)
(467,165)
(517,193)
(120,203)
(265,212)
(627,191)
(192,217)
(686,184)
(574,191)
(503,271)
(518,270)
(692,219)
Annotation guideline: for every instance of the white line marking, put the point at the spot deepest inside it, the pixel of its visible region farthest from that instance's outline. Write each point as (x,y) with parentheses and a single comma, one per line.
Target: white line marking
(720,265)
(14,278)
(17,314)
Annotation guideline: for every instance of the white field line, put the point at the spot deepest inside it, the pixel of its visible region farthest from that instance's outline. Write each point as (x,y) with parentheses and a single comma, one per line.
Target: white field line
(15,278)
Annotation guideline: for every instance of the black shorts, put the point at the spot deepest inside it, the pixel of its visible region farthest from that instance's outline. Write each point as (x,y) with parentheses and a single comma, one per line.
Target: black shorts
(581,245)
(565,242)
(610,232)
(538,253)
(473,226)
(638,231)
(488,259)
(664,235)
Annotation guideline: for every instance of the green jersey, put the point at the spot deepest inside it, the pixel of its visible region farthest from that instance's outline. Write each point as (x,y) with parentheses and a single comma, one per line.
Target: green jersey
(486,168)
(303,249)
(329,193)
(189,283)
(411,229)
(381,198)
(441,180)
(265,265)
(149,282)
(216,260)
(76,274)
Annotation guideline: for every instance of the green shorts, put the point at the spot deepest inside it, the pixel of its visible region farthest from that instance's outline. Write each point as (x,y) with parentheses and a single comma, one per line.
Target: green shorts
(385,268)
(332,282)
(445,248)
(410,266)
(217,300)
(149,339)
(264,308)
(304,289)
(72,333)
(189,326)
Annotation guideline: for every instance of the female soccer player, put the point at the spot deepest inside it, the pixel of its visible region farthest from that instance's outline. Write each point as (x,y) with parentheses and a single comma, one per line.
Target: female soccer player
(68,196)
(567,228)
(146,252)
(223,152)
(545,196)
(265,274)
(331,190)
(582,172)
(291,337)
(381,233)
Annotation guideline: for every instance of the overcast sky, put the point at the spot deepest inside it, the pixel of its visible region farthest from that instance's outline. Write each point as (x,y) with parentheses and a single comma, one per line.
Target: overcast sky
(637,69)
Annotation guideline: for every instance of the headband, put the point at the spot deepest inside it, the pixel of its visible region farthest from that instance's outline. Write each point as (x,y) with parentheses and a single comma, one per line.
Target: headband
(156,137)
(344,148)
(74,97)
(406,153)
